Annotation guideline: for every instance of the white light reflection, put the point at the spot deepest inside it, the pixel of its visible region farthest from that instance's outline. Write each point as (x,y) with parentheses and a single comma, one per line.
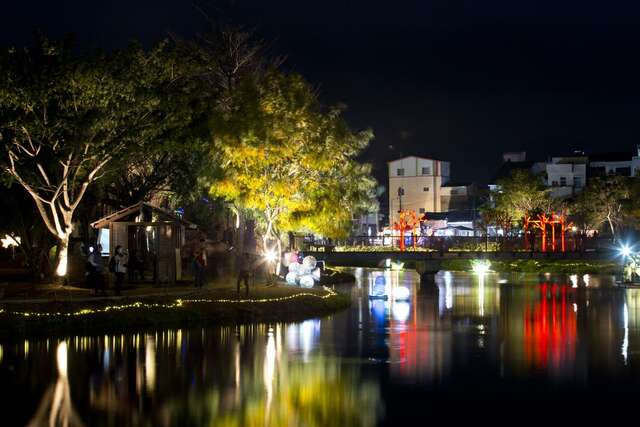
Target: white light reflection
(401,293)
(481,295)
(236,354)
(359,273)
(625,340)
(269,369)
(586,279)
(400,311)
(150,363)
(306,337)
(574,280)
(56,407)
(448,290)
(61,359)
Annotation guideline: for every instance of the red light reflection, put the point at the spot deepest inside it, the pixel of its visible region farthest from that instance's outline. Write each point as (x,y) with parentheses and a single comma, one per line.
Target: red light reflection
(550,327)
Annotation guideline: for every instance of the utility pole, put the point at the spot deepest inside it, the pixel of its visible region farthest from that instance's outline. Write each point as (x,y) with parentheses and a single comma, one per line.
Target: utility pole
(400,194)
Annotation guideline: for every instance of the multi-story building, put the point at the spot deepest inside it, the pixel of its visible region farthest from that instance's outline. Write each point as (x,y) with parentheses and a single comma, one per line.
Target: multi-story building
(567,175)
(456,196)
(367,224)
(415,183)
(620,163)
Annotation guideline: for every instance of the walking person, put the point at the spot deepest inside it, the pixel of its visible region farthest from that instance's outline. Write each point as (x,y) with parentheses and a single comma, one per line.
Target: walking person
(200,263)
(95,269)
(245,271)
(118,266)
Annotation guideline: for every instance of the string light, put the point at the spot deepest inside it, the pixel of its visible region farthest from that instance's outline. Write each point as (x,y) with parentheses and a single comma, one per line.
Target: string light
(176,304)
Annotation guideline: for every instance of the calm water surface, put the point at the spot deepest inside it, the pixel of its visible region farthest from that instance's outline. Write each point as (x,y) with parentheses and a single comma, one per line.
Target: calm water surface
(499,349)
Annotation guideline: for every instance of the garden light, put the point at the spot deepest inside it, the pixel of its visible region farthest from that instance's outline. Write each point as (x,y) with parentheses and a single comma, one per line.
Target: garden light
(271,256)
(625,250)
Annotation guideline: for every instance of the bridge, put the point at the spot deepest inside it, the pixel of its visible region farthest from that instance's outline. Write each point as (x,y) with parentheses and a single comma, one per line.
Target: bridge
(428,263)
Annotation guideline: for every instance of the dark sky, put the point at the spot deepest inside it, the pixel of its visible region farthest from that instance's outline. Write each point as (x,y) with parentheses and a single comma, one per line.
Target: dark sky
(458,80)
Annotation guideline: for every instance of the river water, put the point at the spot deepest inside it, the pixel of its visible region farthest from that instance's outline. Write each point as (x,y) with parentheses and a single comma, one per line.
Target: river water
(497,348)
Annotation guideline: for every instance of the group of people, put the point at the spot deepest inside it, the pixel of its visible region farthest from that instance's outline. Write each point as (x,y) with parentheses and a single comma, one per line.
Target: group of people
(95,269)
(121,263)
(246,264)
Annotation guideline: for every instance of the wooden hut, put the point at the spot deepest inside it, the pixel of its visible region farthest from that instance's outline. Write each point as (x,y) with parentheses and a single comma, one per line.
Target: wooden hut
(151,235)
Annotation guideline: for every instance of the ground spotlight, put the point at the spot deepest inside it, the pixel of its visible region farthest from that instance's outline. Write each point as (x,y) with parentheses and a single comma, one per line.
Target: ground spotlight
(271,255)
(625,250)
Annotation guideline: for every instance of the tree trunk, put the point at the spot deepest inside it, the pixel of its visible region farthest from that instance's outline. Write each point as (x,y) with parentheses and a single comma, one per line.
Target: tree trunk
(62,255)
(276,249)
(613,234)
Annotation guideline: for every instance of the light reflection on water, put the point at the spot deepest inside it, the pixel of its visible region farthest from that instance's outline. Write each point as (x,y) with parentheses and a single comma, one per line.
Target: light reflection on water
(461,333)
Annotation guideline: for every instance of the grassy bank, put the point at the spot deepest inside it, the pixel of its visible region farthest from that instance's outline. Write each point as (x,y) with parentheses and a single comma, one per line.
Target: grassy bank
(218,307)
(541,266)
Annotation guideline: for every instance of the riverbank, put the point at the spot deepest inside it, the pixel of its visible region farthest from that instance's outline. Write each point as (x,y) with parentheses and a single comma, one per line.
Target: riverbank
(217,306)
(558,266)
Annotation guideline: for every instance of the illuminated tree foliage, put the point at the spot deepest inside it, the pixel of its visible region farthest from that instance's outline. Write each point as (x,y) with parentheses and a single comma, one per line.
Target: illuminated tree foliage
(314,394)
(602,202)
(64,118)
(289,161)
(519,195)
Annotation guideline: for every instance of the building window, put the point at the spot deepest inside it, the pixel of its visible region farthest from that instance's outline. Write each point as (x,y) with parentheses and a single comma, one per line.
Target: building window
(426,171)
(400,172)
(577,182)
(421,210)
(554,183)
(563,181)
(425,189)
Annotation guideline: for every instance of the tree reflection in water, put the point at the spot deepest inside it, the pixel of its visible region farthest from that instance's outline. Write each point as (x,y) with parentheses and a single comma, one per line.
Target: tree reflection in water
(56,407)
(319,392)
(234,376)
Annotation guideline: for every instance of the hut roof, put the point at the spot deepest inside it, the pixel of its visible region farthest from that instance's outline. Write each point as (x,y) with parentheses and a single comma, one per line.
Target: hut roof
(167,216)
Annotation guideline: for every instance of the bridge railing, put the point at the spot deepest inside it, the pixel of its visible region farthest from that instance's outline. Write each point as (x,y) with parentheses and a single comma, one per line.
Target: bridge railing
(460,243)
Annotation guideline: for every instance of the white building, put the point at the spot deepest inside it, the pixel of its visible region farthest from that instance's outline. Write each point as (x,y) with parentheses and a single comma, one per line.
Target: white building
(567,175)
(622,163)
(367,224)
(415,183)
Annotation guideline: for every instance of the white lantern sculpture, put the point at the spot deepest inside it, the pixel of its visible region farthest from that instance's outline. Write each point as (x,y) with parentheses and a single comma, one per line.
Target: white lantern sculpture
(305,274)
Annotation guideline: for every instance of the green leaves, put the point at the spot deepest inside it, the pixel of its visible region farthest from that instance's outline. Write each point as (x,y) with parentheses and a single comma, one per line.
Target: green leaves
(520,194)
(284,156)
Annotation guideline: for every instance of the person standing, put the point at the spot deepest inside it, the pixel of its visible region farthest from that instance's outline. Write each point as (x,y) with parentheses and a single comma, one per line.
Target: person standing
(95,267)
(118,265)
(200,263)
(245,272)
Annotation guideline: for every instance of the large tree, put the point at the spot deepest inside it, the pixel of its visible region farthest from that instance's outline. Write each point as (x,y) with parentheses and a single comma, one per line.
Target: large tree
(603,202)
(289,161)
(65,117)
(518,195)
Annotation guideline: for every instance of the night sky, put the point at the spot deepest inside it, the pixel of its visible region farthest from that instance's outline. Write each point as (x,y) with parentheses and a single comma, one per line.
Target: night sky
(457,80)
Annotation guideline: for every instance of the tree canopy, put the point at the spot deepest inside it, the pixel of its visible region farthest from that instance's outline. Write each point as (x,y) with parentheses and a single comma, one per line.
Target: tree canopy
(518,195)
(603,202)
(285,158)
(65,117)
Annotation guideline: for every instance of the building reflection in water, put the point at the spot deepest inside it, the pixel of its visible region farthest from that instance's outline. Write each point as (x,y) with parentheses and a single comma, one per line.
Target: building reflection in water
(559,329)
(527,327)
